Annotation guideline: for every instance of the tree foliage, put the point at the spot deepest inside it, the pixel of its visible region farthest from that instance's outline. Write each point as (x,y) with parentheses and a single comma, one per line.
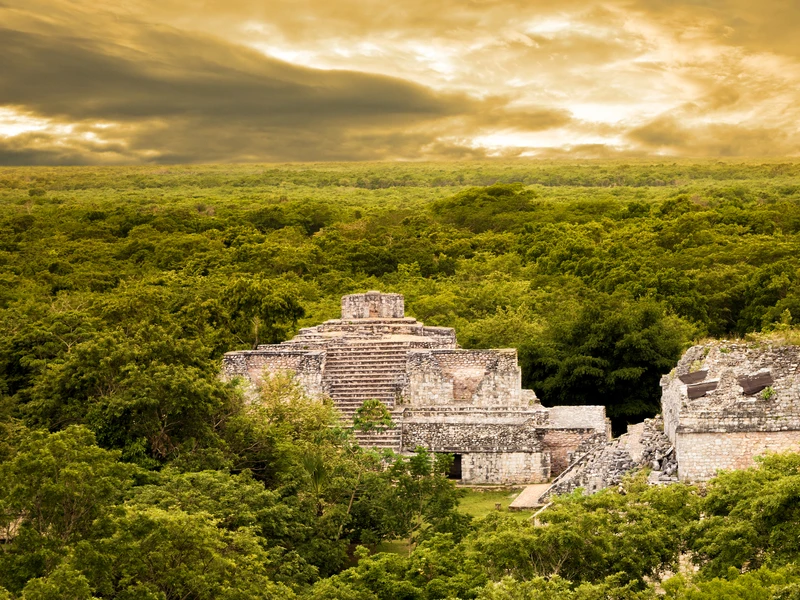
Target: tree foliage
(128,468)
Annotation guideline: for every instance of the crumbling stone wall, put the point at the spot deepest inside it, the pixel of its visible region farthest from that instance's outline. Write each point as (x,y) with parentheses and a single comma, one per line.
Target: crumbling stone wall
(254,365)
(482,378)
(373,305)
(563,445)
(475,432)
(600,462)
(726,403)
(567,429)
(488,434)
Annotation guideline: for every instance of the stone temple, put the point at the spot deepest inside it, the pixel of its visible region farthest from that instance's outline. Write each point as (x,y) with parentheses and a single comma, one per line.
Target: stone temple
(466,402)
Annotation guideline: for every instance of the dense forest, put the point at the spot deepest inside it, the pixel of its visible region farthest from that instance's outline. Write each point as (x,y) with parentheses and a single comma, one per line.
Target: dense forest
(129,469)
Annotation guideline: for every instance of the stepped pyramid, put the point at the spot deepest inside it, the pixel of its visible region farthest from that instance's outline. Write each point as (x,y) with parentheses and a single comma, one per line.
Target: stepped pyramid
(466,402)
(362,356)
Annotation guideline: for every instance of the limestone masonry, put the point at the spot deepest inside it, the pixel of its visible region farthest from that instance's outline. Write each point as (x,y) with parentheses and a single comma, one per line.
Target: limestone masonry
(726,403)
(446,399)
(723,405)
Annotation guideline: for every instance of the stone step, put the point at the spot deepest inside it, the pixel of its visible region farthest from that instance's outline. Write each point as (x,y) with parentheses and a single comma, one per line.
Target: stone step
(368,352)
(369,343)
(361,396)
(363,369)
(367,362)
(383,382)
(351,410)
(385,385)
(331,358)
(366,374)
(356,384)
(384,390)
(392,439)
(353,405)
(356,404)
(359,367)
(361,385)
(362,376)
(361,379)
(399,367)
(363,391)
(392,445)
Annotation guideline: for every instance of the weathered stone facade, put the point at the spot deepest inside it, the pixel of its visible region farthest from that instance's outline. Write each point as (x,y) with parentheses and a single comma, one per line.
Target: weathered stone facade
(726,403)
(723,405)
(444,398)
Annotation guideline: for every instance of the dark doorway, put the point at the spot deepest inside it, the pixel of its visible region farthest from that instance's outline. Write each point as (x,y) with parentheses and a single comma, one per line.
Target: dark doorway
(455,468)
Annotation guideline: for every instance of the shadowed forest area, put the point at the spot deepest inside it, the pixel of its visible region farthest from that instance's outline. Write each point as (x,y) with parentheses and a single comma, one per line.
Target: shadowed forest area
(130,470)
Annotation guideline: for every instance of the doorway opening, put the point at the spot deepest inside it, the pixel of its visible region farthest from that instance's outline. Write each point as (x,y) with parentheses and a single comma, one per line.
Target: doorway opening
(455,468)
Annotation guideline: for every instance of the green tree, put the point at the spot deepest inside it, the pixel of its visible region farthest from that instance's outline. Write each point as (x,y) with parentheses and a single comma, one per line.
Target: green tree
(411,496)
(51,492)
(156,553)
(372,415)
(614,350)
(751,518)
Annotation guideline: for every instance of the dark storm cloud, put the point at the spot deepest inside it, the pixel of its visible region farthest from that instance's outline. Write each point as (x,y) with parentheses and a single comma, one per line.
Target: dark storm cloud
(73,78)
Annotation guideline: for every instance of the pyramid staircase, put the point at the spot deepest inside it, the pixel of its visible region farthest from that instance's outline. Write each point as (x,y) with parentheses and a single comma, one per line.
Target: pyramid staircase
(359,371)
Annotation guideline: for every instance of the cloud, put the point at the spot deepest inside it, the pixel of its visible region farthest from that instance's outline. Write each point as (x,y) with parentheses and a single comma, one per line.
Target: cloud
(193,97)
(766,26)
(57,75)
(667,134)
(243,80)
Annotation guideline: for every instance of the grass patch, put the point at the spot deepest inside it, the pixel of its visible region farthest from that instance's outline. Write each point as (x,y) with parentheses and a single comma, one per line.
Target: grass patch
(478,503)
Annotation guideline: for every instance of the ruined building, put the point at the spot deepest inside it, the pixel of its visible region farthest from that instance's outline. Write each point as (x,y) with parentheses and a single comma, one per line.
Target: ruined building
(444,398)
(723,405)
(726,403)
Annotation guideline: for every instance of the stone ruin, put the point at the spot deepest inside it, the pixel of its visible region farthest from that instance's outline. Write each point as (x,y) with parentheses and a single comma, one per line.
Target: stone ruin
(723,405)
(605,464)
(466,402)
(726,403)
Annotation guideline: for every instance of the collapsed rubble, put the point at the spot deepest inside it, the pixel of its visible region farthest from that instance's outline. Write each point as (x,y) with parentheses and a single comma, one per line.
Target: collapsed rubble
(605,463)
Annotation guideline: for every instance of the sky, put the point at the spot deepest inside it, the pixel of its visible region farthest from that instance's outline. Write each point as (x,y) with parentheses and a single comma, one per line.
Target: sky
(217,81)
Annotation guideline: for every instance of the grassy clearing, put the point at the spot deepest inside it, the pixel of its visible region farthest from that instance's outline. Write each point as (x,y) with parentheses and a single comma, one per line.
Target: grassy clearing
(480,503)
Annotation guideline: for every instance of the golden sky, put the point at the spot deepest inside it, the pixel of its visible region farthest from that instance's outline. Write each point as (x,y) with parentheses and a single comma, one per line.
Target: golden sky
(172,81)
